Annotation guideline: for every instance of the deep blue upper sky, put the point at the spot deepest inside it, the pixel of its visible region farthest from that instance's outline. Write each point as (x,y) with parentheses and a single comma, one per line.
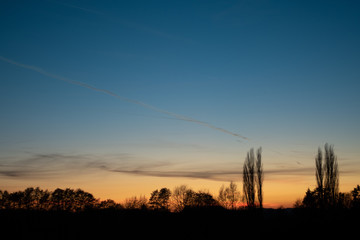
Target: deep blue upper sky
(282,73)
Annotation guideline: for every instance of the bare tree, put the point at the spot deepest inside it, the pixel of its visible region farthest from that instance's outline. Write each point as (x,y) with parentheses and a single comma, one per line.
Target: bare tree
(178,197)
(327,176)
(319,175)
(260,177)
(331,184)
(229,196)
(136,202)
(222,198)
(249,179)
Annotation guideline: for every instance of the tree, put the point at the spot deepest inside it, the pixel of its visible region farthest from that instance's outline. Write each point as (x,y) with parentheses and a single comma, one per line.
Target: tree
(136,202)
(16,200)
(160,199)
(327,176)
(203,199)
(326,193)
(310,199)
(331,184)
(81,200)
(108,204)
(356,197)
(319,172)
(72,200)
(178,197)
(229,196)
(189,198)
(57,199)
(259,177)
(198,199)
(249,179)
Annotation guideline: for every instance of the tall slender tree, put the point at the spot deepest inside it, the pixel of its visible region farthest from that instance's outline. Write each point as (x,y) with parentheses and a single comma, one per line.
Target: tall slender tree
(331,183)
(319,172)
(327,176)
(259,177)
(249,179)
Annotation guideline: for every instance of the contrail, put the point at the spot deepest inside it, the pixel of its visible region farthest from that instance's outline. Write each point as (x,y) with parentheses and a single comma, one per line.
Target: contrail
(81,84)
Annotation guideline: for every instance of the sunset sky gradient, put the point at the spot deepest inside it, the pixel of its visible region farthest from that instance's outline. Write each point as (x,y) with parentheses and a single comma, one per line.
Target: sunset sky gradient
(122,97)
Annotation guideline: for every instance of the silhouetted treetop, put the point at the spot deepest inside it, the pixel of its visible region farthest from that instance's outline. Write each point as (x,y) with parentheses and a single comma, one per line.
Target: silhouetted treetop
(160,199)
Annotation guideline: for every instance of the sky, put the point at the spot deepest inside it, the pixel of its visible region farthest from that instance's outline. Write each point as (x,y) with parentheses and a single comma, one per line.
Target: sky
(120,98)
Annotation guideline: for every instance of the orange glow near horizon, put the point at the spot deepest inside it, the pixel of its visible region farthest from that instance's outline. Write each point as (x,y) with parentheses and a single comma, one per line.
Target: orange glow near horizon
(279,190)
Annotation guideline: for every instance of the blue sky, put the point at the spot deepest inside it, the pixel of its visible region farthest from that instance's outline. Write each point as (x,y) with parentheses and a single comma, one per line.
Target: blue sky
(284,74)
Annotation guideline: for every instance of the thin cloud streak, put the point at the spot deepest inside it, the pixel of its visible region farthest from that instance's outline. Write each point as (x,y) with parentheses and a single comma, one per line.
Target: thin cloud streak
(216,175)
(53,165)
(145,105)
(210,175)
(45,166)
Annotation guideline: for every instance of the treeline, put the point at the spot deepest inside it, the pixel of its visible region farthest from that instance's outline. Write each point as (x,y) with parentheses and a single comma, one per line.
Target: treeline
(79,200)
(59,199)
(314,199)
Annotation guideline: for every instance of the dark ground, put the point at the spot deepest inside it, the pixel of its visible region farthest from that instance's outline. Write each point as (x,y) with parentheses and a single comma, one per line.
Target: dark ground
(214,223)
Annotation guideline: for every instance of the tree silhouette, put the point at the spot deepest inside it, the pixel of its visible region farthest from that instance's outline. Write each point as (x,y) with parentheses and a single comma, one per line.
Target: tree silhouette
(320,175)
(4,199)
(229,196)
(331,184)
(198,199)
(72,200)
(249,179)
(259,177)
(203,199)
(311,199)
(356,197)
(327,176)
(326,194)
(82,200)
(108,204)
(136,202)
(160,199)
(178,197)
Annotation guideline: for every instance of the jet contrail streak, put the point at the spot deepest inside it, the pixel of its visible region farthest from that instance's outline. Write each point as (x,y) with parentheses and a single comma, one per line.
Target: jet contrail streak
(81,84)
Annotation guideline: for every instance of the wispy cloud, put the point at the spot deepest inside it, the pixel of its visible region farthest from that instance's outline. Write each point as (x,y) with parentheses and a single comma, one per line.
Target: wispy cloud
(57,165)
(210,175)
(110,93)
(45,165)
(171,169)
(226,173)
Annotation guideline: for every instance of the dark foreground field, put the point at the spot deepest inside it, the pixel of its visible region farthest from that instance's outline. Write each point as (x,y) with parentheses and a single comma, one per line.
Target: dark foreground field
(189,224)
